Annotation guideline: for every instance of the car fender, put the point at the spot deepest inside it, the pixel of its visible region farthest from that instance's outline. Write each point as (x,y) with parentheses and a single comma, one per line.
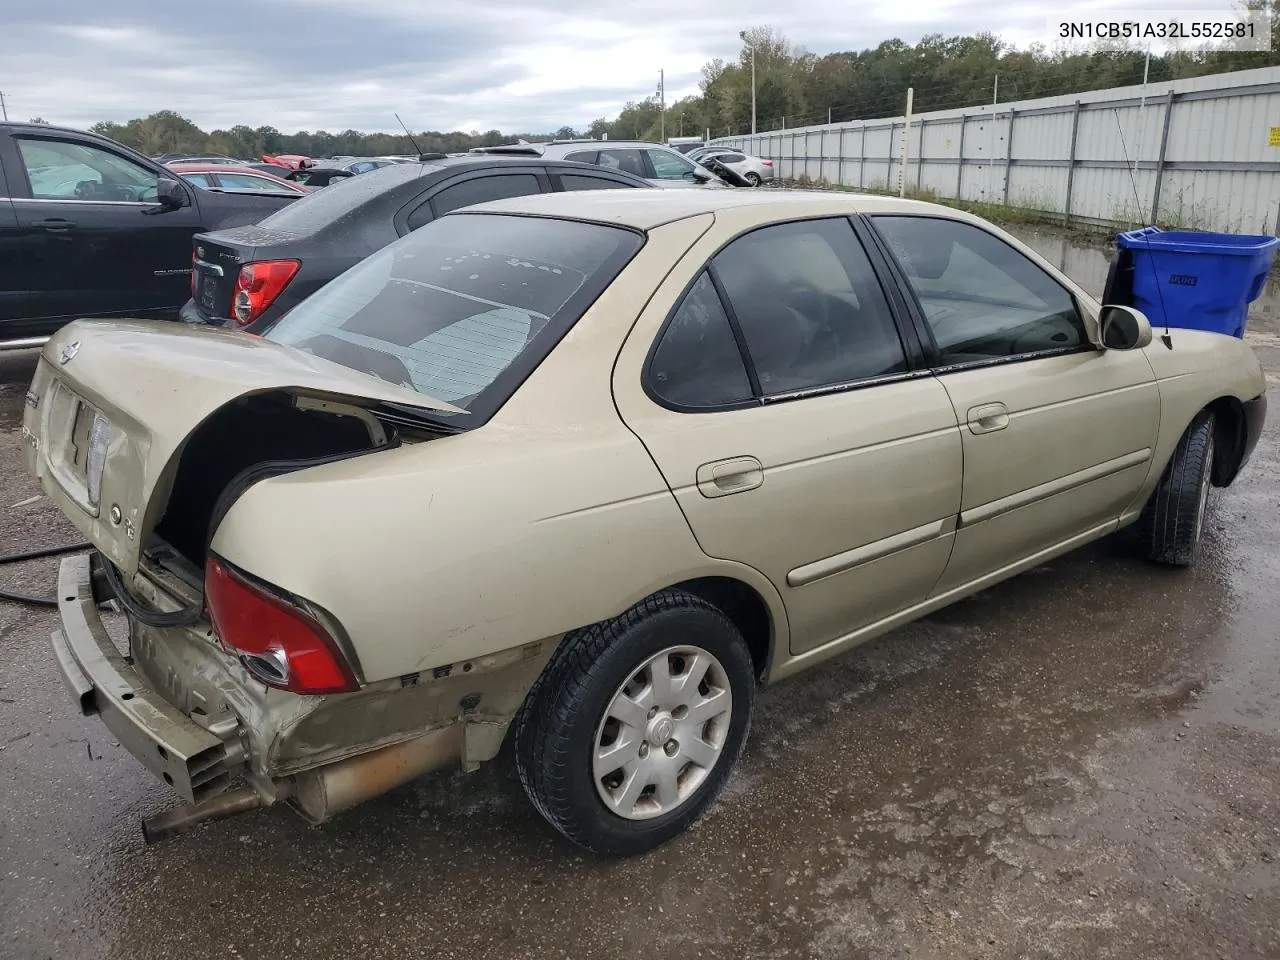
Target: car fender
(1199,369)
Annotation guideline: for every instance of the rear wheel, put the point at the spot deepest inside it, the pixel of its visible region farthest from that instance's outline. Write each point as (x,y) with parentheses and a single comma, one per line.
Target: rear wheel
(1173,519)
(753,178)
(636,723)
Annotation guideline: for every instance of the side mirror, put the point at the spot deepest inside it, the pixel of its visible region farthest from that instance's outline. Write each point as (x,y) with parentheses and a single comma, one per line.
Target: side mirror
(1124,328)
(170,194)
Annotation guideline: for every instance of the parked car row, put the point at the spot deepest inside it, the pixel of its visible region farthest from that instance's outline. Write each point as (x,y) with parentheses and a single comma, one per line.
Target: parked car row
(662,166)
(90,228)
(231,178)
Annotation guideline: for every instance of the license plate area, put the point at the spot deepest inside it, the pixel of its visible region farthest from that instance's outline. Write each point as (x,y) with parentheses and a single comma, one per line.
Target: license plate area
(208,291)
(207,277)
(70,430)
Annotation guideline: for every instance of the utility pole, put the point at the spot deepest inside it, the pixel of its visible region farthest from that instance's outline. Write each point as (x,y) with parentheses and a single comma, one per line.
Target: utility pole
(662,107)
(743,35)
(3,108)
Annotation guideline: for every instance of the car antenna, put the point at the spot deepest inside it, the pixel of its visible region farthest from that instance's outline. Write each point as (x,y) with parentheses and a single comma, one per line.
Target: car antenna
(416,148)
(1166,339)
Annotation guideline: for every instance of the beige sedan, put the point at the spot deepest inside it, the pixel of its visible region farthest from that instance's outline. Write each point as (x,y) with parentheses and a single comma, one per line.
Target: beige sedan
(579,471)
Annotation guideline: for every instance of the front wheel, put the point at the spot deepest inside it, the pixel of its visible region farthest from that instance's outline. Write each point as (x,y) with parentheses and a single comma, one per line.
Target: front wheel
(1173,519)
(636,723)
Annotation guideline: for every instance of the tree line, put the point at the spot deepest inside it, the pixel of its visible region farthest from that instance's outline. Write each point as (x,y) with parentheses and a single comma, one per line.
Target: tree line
(168,132)
(793,88)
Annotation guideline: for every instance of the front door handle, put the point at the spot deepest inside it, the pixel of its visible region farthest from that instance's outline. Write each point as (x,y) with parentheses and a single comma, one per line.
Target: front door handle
(988,417)
(53,224)
(735,475)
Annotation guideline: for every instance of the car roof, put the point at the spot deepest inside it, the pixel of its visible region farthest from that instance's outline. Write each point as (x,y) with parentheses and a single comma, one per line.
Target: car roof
(194,167)
(646,209)
(19,127)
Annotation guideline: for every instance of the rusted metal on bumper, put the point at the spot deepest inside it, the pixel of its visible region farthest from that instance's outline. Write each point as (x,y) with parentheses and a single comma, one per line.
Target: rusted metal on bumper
(187,757)
(325,791)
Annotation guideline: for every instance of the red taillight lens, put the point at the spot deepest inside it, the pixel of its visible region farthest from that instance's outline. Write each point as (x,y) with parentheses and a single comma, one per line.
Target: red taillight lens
(766,163)
(279,643)
(258,286)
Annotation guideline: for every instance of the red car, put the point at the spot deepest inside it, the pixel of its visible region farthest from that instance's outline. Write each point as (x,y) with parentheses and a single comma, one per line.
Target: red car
(291,160)
(232,179)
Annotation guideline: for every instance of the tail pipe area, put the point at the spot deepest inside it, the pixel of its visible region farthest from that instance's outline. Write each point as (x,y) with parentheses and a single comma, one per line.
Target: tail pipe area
(322,793)
(181,819)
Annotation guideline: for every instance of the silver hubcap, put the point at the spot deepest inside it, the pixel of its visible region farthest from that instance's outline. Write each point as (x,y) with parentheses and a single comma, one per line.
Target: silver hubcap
(662,733)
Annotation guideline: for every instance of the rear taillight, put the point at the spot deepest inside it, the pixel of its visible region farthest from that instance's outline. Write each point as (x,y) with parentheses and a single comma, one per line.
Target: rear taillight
(258,286)
(766,163)
(276,640)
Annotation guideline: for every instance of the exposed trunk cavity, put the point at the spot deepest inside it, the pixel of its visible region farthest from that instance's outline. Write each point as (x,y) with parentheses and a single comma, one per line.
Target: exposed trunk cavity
(245,441)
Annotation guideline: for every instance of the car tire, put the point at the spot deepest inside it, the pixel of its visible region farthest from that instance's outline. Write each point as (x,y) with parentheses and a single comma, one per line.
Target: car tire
(569,720)
(753,178)
(1170,527)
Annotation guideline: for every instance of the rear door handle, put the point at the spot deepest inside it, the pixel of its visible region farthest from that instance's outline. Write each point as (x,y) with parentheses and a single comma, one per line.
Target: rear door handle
(988,417)
(735,475)
(53,224)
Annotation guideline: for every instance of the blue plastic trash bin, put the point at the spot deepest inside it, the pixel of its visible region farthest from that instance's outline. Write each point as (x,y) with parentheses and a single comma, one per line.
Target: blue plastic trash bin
(1204,281)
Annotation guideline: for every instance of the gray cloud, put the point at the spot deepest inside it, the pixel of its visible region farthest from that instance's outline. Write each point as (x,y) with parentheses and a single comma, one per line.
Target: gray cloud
(517,65)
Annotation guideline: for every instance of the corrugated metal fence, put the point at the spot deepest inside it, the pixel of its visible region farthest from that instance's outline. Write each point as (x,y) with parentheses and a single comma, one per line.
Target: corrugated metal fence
(1202,153)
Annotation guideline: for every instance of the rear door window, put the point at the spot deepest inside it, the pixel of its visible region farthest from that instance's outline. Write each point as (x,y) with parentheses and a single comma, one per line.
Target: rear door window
(463,309)
(628,161)
(480,189)
(810,307)
(579,181)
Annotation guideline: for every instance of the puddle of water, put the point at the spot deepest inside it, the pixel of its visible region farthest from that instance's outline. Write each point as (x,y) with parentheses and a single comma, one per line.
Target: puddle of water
(1086,261)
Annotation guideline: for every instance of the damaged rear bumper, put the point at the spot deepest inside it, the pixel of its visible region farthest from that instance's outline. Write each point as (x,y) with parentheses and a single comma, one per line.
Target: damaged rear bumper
(194,761)
(323,754)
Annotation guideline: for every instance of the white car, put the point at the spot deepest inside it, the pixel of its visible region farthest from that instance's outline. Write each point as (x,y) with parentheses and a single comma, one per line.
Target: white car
(754,169)
(661,166)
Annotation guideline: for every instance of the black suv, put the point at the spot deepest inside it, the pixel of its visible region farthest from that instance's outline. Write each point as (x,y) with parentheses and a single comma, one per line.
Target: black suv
(249,276)
(90,228)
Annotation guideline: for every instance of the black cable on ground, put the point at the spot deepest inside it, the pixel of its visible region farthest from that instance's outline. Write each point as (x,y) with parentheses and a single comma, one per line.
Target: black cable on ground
(46,552)
(37,555)
(30,601)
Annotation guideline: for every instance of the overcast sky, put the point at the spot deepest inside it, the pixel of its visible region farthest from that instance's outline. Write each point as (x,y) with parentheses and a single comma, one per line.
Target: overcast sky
(514,65)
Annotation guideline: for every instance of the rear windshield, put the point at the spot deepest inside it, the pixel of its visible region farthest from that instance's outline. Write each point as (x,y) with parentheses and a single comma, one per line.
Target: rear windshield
(341,197)
(464,308)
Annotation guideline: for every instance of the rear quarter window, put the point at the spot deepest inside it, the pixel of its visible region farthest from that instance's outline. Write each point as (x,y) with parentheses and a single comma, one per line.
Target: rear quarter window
(342,197)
